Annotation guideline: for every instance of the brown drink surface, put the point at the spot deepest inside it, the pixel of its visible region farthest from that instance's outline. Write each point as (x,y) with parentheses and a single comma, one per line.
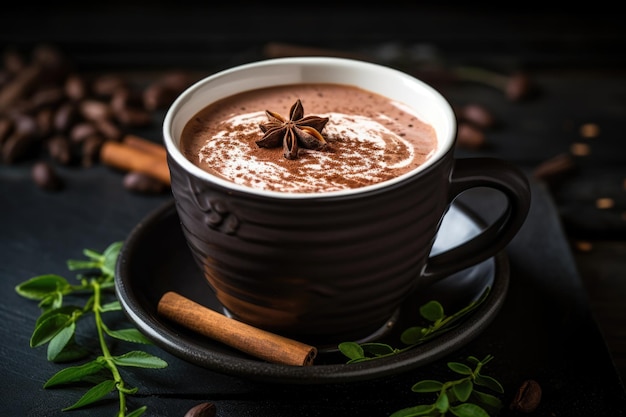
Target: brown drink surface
(370,139)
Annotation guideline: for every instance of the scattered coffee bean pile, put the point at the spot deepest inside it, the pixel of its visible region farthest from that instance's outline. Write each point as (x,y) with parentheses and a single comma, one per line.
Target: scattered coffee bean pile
(55,115)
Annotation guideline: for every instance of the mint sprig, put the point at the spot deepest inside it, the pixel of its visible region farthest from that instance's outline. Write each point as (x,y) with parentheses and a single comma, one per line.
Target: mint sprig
(437,321)
(460,397)
(56,328)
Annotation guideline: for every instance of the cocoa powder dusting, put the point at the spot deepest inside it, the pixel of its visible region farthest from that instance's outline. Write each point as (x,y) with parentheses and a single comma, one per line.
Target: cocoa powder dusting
(369,139)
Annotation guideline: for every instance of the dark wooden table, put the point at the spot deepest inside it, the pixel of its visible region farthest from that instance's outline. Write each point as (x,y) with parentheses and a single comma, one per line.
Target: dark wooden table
(564,319)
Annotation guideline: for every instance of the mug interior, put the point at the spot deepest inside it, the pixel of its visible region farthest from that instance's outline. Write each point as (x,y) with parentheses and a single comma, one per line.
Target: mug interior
(422,100)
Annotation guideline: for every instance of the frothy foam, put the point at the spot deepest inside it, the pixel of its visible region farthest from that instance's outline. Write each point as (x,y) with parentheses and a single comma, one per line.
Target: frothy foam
(365,147)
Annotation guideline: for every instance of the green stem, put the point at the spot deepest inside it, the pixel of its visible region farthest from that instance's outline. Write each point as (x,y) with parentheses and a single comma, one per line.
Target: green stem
(106,354)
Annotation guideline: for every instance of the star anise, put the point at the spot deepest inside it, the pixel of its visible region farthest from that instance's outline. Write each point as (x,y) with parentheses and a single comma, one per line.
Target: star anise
(295,132)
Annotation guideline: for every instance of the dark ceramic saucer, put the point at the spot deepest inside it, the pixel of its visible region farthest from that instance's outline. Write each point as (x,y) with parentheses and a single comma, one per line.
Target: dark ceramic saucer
(155,259)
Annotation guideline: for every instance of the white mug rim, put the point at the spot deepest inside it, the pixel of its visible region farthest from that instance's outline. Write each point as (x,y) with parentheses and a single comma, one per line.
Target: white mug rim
(446,137)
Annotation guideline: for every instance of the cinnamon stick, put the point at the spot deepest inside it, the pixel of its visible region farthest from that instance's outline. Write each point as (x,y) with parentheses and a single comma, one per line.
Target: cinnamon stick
(128,158)
(256,342)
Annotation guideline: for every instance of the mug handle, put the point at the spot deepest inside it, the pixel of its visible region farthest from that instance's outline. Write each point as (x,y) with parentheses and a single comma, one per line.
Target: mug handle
(483,172)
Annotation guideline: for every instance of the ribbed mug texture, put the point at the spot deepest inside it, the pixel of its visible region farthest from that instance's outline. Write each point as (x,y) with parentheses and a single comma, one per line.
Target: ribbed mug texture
(323,269)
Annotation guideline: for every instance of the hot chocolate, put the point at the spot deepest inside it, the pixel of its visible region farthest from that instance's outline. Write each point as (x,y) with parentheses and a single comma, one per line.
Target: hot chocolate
(368,139)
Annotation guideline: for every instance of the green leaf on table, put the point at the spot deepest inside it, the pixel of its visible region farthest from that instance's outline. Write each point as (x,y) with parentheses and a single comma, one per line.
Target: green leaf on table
(352,350)
(72,351)
(468,410)
(139,359)
(460,368)
(42,286)
(137,412)
(442,404)
(427,385)
(413,335)
(463,390)
(112,306)
(377,349)
(487,399)
(93,395)
(75,373)
(489,382)
(68,310)
(432,311)
(49,328)
(110,258)
(60,341)
(128,335)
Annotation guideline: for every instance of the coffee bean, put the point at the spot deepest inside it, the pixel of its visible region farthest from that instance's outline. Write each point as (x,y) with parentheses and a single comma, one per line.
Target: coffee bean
(75,87)
(90,150)
(134,117)
(469,136)
(46,97)
(477,115)
(82,130)
(106,85)
(108,129)
(143,183)
(45,177)
(95,109)
(527,398)
(65,117)
(58,147)
(202,410)
(519,87)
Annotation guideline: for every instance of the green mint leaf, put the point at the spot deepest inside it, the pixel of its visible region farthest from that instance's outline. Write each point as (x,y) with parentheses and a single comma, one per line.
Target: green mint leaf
(38,288)
(108,284)
(463,390)
(413,335)
(427,385)
(139,359)
(110,258)
(137,412)
(112,306)
(418,410)
(93,395)
(474,360)
(93,255)
(487,399)
(60,340)
(128,335)
(352,350)
(49,328)
(68,310)
(52,301)
(75,373)
(489,382)
(432,311)
(72,351)
(460,368)
(442,404)
(468,410)
(377,349)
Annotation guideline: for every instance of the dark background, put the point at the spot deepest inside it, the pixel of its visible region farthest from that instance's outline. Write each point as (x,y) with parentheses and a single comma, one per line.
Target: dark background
(576,59)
